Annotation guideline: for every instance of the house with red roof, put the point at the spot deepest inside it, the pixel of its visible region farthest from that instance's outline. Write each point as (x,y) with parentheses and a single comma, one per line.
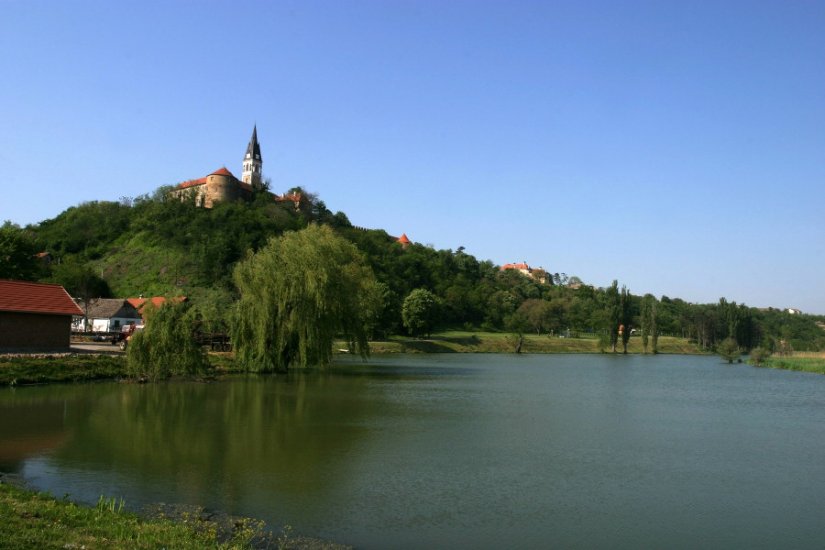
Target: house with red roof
(105,315)
(35,316)
(140,302)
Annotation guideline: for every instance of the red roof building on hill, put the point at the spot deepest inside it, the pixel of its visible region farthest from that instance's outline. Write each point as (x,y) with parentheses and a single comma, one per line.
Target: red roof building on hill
(538,274)
(222,185)
(404,240)
(35,316)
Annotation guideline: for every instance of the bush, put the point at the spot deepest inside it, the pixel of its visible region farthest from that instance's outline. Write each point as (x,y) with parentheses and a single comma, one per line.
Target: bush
(759,355)
(729,349)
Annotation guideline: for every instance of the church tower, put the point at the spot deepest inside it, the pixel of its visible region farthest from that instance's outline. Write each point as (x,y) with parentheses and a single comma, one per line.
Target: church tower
(252,161)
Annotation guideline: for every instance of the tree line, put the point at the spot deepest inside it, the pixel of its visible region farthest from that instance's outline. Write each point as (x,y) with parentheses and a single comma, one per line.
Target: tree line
(154,245)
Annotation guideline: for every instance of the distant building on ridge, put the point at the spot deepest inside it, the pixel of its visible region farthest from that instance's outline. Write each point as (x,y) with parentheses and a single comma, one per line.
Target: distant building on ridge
(537,274)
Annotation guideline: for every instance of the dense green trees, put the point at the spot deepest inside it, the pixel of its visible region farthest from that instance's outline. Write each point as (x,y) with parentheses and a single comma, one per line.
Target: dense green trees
(18,250)
(297,294)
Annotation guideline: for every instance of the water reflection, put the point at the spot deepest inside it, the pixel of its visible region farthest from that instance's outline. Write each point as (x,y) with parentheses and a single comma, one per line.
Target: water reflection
(30,425)
(458,451)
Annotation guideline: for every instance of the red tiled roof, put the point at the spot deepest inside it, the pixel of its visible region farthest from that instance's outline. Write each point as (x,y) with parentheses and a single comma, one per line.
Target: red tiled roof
(403,239)
(515,266)
(157,301)
(26,297)
(222,171)
(192,183)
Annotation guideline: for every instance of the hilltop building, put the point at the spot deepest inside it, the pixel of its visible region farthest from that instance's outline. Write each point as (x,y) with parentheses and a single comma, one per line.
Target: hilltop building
(222,185)
(537,274)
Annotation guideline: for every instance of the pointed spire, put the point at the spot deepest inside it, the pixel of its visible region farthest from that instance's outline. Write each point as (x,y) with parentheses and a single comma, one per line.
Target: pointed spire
(253,150)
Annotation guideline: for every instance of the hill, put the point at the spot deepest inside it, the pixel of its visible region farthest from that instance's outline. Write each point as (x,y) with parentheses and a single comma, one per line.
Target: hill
(154,245)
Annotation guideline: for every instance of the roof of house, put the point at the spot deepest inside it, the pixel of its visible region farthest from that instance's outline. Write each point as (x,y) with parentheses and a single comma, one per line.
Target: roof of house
(26,297)
(107,308)
(156,301)
(403,239)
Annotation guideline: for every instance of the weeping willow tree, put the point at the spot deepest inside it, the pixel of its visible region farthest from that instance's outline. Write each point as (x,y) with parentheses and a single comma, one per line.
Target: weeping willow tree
(167,345)
(297,294)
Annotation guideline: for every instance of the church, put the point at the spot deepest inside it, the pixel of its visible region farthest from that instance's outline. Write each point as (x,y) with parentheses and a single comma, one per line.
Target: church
(221,185)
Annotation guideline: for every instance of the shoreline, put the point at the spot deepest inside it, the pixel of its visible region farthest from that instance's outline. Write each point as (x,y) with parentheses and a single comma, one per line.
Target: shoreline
(85,364)
(38,519)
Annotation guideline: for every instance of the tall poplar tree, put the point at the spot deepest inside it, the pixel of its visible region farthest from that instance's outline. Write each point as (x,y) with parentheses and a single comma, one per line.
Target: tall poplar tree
(626,302)
(650,328)
(614,313)
(297,294)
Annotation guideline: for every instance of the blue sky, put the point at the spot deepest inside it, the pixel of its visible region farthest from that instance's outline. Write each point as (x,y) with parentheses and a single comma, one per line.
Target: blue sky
(678,147)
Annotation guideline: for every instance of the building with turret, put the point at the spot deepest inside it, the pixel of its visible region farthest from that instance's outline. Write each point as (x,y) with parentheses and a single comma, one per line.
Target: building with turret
(221,185)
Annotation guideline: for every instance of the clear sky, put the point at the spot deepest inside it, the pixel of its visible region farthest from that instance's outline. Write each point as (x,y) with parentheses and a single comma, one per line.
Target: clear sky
(678,147)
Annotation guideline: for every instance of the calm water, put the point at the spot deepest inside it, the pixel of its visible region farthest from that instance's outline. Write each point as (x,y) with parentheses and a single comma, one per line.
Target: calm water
(455,451)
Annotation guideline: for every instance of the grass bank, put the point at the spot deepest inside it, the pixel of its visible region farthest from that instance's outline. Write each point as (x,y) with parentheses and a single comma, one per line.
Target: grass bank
(38,369)
(19,370)
(37,520)
(805,362)
(495,342)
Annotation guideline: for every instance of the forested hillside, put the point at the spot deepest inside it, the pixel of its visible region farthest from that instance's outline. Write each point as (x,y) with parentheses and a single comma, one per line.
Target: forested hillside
(152,245)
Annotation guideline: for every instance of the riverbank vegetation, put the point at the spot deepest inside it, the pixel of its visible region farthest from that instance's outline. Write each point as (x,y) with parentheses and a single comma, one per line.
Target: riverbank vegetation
(38,520)
(804,362)
(57,368)
(154,245)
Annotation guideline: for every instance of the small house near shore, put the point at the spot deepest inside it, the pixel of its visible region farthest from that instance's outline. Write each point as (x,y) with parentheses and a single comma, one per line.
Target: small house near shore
(35,317)
(105,315)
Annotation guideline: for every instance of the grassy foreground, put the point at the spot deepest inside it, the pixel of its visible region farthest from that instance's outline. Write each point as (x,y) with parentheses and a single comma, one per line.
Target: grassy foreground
(495,342)
(36,520)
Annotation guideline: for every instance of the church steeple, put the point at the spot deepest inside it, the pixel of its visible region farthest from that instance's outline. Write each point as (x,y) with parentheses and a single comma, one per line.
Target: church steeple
(252,161)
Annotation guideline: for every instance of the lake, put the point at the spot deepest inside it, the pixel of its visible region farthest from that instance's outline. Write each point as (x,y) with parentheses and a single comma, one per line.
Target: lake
(455,451)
